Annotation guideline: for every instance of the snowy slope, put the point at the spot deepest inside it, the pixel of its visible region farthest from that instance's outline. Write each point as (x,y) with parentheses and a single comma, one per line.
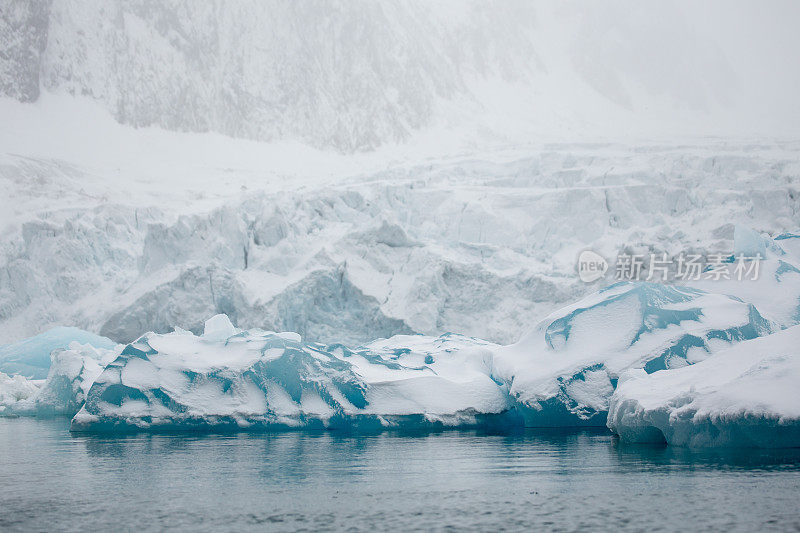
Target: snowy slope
(354,75)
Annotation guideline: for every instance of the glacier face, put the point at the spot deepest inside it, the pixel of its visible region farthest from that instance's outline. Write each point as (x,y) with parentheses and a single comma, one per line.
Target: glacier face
(482,247)
(744,396)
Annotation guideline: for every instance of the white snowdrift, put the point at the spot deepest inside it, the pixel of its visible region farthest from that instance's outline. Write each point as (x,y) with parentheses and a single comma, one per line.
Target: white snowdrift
(744,396)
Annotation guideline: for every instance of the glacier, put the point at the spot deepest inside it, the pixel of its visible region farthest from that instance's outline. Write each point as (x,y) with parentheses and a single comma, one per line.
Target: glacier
(568,370)
(290,206)
(394,252)
(744,396)
(418,191)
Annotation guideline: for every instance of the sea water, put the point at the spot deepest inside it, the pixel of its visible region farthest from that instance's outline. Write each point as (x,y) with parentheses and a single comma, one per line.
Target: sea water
(461,480)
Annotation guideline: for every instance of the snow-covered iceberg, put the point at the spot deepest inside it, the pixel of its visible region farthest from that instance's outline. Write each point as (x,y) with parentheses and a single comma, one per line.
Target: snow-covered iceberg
(747,395)
(13,390)
(228,378)
(564,372)
(31,357)
(72,372)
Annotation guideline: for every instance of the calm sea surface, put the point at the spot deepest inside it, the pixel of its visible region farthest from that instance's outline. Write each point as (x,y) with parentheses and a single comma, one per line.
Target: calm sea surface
(458,480)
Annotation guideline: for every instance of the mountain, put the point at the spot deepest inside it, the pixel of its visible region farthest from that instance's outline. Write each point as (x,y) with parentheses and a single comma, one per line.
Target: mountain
(355,75)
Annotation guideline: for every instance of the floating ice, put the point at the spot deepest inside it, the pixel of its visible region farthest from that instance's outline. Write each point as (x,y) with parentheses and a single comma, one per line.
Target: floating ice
(261,379)
(13,390)
(72,372)
(565,370)
(562,374)
(744,396)
(31,357)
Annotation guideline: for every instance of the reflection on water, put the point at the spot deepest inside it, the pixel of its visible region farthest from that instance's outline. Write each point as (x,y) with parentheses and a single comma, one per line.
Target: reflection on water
(553,479)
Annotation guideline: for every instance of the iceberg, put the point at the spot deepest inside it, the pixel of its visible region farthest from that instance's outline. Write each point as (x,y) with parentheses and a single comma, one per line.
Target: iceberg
(231,379)
(72,372)
(562,374)
(745,396)
(14,390)
(31,357)
(565,370)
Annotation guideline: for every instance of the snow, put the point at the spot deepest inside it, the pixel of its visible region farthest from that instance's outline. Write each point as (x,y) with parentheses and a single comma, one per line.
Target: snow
(268,71)
(31,357)
(564,371)
(775,291)
(744,396)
